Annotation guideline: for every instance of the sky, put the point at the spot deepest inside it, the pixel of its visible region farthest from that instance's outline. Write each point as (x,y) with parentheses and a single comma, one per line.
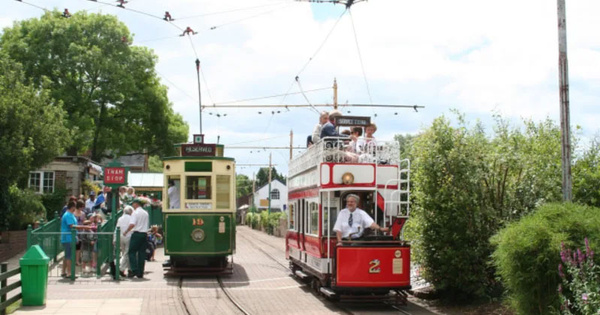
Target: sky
(479,57)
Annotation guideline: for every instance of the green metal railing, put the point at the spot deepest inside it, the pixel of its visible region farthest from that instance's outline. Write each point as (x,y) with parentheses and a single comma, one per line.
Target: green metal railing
(50,243)
(155,216)
(105,245)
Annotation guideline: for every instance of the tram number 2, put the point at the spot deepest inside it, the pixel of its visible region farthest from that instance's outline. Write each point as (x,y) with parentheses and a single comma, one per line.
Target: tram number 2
(374,266)
(197,222)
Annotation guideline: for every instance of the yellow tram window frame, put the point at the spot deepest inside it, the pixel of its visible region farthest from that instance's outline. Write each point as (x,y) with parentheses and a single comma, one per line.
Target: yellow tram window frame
(198,187)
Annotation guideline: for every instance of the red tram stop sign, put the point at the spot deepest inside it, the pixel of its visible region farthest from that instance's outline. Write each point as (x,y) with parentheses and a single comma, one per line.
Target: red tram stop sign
(115,176)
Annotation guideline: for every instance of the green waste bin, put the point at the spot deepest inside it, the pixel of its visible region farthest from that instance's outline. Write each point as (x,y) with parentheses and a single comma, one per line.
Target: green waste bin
(34,276)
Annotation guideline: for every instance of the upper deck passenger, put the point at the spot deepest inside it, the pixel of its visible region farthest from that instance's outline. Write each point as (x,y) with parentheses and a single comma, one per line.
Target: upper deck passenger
(316,135)
(328,129)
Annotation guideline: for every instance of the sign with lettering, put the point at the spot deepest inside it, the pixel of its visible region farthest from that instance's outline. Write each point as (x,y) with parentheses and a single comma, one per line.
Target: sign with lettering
(115,176)
(198,149)
(197,205)
(351,121)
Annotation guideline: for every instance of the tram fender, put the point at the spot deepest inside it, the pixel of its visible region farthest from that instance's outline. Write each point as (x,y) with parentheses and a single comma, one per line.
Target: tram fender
(372,266)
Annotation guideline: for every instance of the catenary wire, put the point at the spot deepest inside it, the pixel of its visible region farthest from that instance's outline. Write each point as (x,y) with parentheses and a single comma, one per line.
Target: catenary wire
(362,66)
(227,11)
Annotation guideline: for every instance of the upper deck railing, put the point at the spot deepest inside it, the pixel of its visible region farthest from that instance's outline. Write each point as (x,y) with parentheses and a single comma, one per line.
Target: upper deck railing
(343,150)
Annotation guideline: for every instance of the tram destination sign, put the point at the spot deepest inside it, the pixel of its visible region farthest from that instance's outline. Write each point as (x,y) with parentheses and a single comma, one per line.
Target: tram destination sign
(352,121)
(199,149)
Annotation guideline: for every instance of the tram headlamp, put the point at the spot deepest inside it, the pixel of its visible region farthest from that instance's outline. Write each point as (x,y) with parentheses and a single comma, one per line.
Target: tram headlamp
(348,178)
(197,235)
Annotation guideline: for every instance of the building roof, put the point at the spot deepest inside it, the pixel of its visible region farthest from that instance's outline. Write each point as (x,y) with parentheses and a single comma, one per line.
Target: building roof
(145,179)
(134,160)
(267,184)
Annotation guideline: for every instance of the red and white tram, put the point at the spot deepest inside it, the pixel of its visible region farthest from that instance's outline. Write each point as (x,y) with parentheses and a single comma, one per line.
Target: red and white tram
(373,266)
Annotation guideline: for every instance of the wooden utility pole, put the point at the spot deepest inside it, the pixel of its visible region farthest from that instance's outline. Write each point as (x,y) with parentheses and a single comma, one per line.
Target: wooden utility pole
(291,143)
(335,100)
(269,196)
(565,120)
(199,94)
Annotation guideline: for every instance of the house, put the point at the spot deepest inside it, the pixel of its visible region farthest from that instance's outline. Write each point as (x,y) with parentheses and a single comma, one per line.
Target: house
(279,197)
(136,163)
(65,171)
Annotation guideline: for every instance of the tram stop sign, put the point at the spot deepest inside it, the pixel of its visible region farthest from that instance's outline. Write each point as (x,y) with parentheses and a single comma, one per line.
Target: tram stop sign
(115,174)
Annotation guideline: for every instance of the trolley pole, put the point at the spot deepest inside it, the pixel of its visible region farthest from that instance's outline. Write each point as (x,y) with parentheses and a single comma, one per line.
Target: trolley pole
(335,98)
(253,192)
(565,120)
(199,94)
(269,198)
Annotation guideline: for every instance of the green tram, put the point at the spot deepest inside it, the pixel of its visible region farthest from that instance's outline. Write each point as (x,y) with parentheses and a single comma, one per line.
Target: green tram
(199,210)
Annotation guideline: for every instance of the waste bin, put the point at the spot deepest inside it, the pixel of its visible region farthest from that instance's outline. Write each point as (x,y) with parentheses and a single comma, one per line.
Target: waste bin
(34,276)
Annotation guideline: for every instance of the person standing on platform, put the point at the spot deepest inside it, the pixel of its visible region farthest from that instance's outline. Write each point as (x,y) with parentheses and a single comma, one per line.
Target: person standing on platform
(123,224)
(67,222)
(90,203)
(138,226)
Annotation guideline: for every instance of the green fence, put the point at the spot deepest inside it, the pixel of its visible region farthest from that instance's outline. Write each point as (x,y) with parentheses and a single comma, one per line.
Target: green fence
(155,216)
(105,245)
(50,243)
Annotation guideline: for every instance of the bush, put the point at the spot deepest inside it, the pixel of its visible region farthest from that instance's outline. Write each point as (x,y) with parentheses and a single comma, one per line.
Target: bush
(527,253)
(264,220)
(580,289)
(273,221)
(26,207)
(249,218)
(54,202)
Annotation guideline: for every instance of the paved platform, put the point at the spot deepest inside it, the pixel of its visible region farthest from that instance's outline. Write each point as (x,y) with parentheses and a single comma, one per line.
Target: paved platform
(261,284)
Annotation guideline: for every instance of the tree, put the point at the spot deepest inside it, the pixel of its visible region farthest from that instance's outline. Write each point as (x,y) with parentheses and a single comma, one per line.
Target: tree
(244,185)
(155,165)
(262,177)
(32,129)
(109,89)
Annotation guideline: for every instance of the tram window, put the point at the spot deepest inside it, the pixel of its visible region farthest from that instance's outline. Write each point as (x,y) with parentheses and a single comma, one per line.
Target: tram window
(334,213)
(198,187)
(314,218)
(173,192)
(292,213)
(223,191)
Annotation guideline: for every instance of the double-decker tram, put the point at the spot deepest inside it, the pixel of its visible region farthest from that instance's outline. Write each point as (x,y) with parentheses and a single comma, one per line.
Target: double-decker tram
(199,209)
(368,264)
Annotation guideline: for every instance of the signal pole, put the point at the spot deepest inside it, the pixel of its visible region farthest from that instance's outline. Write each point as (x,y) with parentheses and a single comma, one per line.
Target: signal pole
(291,143)
(565,120)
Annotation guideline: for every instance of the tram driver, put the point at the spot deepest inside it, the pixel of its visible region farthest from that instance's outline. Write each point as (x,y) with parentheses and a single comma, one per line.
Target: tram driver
(352,221)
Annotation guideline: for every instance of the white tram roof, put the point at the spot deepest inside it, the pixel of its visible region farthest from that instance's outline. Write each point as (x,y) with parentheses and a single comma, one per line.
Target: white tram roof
(145,179)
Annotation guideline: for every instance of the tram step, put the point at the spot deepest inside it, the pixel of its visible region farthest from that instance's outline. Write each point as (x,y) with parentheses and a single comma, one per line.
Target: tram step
(327,291)
(301,274)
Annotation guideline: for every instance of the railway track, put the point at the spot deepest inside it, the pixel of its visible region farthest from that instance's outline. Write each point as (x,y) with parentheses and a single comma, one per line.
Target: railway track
(231,298)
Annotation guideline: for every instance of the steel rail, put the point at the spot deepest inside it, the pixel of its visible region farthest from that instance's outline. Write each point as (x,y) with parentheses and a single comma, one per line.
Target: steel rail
(230,297)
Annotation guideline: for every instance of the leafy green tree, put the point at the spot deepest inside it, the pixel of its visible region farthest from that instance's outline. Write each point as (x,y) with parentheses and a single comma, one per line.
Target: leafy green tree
(32,129)
(262,177)
(586,176)
(109,88)
(155,164)
(244,185)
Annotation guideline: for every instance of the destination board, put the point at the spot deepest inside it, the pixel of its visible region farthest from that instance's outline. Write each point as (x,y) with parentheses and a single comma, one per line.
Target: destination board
(351,121)
(198,149)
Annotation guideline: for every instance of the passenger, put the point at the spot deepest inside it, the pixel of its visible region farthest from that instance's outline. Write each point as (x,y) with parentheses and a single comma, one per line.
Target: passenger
(88,242)
(90,203)
(352,221)
(67,222)
(351,155)
(173,193)
(368,145)
(81,217)
(137,246)
(64,209)
(123,224)
(154,238)
(328,129)
(316,134)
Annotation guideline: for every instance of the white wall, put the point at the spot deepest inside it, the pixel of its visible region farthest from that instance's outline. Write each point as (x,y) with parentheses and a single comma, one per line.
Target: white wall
(263,193)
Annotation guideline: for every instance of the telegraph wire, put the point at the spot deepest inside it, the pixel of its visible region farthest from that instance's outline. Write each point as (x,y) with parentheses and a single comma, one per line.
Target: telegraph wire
(304,94)
(212,28)
(35,6)
(362,66)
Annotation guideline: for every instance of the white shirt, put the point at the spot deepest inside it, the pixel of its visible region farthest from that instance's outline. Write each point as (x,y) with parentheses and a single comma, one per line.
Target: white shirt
(359,219)
(89,205)
(316,135)
(364,145)
(139,219)
(123,223)
(173,197)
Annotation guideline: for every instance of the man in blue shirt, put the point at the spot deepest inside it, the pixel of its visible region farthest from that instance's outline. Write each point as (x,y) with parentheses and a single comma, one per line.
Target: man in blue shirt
(67,222)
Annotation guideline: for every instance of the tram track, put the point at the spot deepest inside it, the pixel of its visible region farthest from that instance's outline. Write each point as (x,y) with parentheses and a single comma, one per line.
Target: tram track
(180,295)
(231,298)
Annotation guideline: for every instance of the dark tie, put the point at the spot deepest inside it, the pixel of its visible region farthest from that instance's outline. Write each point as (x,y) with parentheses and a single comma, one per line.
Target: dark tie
(350,220)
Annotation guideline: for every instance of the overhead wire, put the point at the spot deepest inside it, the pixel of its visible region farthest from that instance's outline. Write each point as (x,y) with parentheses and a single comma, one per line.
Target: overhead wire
(250,17)
(33,5)
(304,94)
(315,53)
(362,66)
(271,96)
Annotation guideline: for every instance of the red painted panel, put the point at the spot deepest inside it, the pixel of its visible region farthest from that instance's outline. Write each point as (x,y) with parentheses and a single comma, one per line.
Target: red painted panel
(311,244)
(307,193)
(372,266)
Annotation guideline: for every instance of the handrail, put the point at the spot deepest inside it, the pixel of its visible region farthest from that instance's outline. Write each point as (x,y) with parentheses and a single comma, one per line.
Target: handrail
(51,246)
(4,288)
